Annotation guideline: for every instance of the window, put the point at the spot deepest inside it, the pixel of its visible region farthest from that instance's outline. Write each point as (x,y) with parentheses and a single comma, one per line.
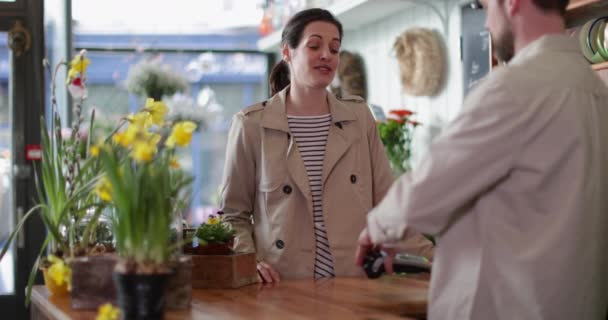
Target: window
(220,84)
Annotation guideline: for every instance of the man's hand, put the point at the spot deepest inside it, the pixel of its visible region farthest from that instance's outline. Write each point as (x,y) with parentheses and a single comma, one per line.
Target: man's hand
(366,245)
(266,274)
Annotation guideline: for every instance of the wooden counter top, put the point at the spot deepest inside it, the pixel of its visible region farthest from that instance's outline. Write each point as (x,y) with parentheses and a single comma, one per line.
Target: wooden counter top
(394,297)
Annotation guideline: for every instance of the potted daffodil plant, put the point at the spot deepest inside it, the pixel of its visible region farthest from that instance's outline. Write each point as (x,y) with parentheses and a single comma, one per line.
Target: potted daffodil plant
(143,183)
(67,175)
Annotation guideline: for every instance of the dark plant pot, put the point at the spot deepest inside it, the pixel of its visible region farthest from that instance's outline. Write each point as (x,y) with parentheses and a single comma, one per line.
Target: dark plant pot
(214,249)
(141,296)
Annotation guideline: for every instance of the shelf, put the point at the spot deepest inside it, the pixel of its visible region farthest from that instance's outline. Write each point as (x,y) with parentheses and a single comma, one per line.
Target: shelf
(581,4)
(351,13)
(600,66)
(585,9)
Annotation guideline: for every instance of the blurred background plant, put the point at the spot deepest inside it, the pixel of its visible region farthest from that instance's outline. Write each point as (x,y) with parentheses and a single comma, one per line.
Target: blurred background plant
(396,134)
(151,78)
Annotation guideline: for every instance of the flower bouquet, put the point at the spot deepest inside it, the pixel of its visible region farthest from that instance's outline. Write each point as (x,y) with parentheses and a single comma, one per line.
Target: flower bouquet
(396,135)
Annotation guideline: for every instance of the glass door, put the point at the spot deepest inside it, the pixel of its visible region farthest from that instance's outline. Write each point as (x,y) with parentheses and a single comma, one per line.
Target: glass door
(21,106)
(7,264)
(8,276)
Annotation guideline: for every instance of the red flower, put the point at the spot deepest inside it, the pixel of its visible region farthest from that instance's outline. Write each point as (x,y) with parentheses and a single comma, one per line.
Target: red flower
(401,113)
(414,123)
(77,82)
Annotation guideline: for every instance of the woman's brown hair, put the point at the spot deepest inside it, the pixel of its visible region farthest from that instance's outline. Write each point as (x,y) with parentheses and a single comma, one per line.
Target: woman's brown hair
(292,35)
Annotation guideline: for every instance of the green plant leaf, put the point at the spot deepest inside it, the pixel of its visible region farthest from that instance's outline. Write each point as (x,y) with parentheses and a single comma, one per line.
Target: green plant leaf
(32,276)
(17,229)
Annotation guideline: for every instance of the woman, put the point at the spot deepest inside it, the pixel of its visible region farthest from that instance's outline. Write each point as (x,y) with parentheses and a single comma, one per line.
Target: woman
(304,168)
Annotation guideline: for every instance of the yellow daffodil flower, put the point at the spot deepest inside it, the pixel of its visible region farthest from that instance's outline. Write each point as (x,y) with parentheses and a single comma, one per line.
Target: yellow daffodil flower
(72,74)
(181,134)
(213,219)
(127,138)
(118,138)
(157,109)
(153,138)
(108,312)
(143,151)
(104,189)
(78,66)
(80,62)
(141,120)
(174,164)
(59,271)
(94,151)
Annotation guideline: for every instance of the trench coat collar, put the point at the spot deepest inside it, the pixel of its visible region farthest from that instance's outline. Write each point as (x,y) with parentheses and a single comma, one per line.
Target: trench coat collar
(339,139)
(274,115)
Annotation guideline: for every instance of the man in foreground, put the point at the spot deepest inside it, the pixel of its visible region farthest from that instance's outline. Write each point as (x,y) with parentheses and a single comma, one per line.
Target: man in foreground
(516,188)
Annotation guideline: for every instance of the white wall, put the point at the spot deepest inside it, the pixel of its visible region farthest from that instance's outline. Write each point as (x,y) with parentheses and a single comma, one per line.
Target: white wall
(374,43)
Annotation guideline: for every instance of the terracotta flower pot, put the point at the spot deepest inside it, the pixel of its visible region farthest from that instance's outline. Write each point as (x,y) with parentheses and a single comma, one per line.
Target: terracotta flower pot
(52,286)
(214,249)
(224,271)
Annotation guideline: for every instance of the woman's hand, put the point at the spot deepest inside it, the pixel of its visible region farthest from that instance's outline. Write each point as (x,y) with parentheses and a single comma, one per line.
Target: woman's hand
(267,274)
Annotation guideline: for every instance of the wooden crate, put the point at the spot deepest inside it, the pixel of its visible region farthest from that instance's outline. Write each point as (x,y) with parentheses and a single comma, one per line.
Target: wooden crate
(92,283)
(179,286)
(223,271)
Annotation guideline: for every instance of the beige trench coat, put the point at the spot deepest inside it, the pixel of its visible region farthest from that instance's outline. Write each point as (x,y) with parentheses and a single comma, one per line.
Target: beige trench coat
(266,195)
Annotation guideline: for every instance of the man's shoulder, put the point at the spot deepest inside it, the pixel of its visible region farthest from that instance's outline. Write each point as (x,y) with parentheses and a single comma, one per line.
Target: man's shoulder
(495,90)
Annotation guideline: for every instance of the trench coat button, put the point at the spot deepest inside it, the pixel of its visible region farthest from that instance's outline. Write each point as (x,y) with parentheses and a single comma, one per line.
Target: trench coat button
(287,189)
(280,244)
(353,178)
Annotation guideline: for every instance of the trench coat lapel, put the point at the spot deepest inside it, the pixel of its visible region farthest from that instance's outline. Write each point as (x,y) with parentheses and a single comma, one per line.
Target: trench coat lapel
(341,136)
(274,117)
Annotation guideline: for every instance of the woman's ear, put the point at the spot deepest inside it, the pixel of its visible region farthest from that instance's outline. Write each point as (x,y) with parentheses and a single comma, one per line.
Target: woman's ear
(285,53)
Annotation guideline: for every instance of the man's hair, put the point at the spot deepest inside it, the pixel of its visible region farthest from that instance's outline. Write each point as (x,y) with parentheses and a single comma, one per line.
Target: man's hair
(552,5)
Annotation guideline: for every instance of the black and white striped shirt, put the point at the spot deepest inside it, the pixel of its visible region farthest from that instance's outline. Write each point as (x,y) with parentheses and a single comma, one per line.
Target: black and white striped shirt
(310,134)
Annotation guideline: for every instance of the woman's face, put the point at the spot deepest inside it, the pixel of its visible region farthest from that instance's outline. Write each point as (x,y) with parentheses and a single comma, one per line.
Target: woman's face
(314,62)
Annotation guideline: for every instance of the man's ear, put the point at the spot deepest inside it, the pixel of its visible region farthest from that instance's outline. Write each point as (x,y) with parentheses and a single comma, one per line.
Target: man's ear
(285,53)
(513,6)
